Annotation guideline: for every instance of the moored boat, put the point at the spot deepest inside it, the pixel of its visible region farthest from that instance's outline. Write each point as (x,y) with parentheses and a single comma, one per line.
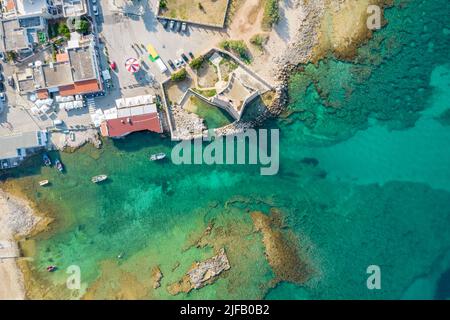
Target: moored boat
(99,178)
(157,156)
(46,159)
(51,268)
(59,165)
(43,183)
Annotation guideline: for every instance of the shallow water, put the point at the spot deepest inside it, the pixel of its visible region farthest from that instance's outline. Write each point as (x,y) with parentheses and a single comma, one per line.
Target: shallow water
(364,184)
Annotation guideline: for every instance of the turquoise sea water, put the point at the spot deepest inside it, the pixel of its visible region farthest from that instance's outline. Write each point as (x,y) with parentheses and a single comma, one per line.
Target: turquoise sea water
(366,182)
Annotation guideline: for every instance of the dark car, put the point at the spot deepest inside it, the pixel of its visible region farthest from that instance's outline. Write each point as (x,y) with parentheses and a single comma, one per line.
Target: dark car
(171,64)
(165,23)
(2,77)
(184,57)
(191,55)
(11,81)
(174,25)
(179,26)
(2,87)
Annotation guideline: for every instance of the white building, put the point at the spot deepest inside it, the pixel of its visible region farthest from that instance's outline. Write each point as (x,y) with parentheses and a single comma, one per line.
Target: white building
(16,147)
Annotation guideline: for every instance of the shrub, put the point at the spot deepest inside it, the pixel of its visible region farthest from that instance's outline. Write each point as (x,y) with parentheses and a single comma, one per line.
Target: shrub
(237,46)
(271,14)
(163,4)
(259,40)
(11,56)
(179,76)
(197,63)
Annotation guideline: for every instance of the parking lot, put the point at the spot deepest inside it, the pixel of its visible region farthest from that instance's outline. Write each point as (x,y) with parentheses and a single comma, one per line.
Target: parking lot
(128,35)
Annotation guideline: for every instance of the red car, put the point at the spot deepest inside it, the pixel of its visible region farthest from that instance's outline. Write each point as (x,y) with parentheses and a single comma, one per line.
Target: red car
(113,65)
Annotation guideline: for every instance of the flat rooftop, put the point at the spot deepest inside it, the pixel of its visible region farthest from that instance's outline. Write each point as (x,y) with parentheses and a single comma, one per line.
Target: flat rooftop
(10,144)
(82,65)
(15,37)
(27,7)
(57,74)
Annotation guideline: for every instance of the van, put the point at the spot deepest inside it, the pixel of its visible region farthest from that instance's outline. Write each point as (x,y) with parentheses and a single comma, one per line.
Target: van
(57,122)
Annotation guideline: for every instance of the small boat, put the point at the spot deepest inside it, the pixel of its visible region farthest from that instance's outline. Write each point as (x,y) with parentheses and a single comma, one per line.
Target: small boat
(157,156)
(99,178)
(51,268)
(59,165)
(43,183)
(120,256)
(46,159)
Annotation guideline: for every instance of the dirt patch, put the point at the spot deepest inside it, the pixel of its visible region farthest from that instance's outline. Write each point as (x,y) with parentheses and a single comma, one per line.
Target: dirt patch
(210,12)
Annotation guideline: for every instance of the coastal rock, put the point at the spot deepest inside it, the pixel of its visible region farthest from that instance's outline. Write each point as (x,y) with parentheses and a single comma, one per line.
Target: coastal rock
(201,274)
(156,277)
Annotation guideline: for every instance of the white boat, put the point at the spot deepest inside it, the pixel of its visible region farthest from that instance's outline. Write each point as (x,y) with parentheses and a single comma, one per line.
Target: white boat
(43,183)
(99,178)
(157,156)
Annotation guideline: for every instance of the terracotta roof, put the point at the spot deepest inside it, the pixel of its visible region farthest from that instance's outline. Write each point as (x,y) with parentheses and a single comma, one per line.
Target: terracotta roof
(122,126)
(82,87)
(10,5)
(42,94)
(62,57)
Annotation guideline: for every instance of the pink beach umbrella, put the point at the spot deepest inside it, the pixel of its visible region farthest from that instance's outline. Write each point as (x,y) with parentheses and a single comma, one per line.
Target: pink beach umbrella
(132,65)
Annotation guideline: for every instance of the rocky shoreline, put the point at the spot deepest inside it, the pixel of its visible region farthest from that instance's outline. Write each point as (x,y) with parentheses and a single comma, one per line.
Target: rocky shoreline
(17,220)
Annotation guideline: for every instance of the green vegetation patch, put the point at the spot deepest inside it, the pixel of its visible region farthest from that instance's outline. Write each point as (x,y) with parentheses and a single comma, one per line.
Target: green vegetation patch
(179,75)
(259,40)
(197,63)
(271,14)
(238,47)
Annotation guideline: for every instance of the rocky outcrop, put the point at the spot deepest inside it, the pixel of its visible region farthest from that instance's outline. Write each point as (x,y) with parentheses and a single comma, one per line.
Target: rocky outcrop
(201,274)
(156,277)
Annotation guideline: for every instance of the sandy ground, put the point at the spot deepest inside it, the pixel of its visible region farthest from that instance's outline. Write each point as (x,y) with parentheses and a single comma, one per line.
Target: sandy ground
(16,219)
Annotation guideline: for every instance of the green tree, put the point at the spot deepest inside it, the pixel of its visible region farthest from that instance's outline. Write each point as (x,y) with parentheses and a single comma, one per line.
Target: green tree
(63,30)
(82,26)
(197,63)
(179,76)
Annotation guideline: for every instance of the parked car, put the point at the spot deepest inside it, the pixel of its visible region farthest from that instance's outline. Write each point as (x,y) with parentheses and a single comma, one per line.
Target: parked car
(165,23)
(2,57)
(113,66)
(2,78)
(95,10)
(184,27)
(191,55)
(57,122)
(172,24)
(175,25)
(2,87)
(94,1)
(184,57)
(179,26)
(2,96)
(170,62)
(11,81)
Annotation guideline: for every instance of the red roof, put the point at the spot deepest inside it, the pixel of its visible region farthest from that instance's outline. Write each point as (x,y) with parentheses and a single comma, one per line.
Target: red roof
(122,126)
(42,94)
(81,87)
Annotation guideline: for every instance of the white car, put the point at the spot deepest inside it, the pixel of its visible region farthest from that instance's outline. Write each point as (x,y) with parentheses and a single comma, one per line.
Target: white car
(95,10)
(2,97)
(94,1)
